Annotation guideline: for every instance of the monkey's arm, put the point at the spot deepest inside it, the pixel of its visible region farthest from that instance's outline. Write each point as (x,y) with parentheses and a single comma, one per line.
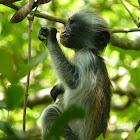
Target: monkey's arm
(65,70)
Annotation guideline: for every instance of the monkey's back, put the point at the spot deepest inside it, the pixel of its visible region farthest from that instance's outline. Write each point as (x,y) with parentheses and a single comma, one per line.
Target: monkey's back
(93,93)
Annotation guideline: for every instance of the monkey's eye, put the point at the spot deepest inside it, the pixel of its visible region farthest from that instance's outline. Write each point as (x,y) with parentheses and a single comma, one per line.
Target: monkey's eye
(73,28)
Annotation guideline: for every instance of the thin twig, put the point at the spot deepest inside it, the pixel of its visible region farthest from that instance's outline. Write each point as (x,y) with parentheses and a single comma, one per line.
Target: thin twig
(139,3)
(28,76)
(13,6)
(126,30)
(133,18)
(8,1)
(30,19)
(137,126)
(52,18)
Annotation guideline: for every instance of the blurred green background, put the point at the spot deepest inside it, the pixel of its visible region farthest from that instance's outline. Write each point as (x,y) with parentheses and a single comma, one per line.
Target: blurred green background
(123,66)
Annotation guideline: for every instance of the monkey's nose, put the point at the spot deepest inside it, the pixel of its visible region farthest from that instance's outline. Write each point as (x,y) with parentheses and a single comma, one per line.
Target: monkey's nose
(64,31)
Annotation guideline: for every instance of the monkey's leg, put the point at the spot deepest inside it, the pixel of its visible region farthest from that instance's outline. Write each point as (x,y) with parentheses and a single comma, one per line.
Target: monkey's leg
(48,116)
(69,135)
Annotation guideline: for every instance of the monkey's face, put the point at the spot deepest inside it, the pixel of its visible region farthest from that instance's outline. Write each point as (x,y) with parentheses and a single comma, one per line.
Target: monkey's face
(85,30)
(64,37)
(70,36)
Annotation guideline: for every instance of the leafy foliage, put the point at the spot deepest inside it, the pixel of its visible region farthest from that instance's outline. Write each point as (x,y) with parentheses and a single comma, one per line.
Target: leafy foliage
(10,132)
(131,135)
(57,129)
(14,94)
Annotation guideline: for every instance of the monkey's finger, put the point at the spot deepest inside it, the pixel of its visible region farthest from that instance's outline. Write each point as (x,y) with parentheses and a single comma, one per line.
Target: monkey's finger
(44,31)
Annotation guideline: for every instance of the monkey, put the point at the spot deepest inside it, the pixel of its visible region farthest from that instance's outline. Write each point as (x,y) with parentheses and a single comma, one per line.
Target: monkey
(84,79)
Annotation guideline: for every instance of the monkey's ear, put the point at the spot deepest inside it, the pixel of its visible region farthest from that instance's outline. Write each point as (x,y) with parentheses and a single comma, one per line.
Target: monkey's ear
(105,36)
(101,40)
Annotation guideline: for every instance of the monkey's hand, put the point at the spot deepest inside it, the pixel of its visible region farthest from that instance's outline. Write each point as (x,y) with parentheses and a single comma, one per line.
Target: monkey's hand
(56,90)
(45,32)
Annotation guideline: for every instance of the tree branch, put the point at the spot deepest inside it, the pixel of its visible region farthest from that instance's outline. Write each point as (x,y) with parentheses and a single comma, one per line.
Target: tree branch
(8,2)
(126,30)
(13,6)
(129,91)
(41,97)
(121,107)
(40,15)
(133,18)
(124,91)
(52,18)
(125,43)
(115,40)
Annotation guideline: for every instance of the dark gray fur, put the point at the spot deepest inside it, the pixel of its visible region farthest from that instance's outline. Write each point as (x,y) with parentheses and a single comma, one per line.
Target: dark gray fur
(84,79)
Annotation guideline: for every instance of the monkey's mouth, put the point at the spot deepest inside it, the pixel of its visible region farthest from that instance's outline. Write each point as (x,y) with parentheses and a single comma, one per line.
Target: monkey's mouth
(64,38)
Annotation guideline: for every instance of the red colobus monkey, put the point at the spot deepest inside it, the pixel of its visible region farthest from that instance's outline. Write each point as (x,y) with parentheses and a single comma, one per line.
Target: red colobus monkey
(84,79)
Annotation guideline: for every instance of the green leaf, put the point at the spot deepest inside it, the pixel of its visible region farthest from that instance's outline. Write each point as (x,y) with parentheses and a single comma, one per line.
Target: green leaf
(22,12)
(131,135)
(6,65)
(100,137)
(57,129)
(39,58)
(42,37)
(12,68)
(135,77)
(11,134)
(2,104)
(42,46)
(14,94)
